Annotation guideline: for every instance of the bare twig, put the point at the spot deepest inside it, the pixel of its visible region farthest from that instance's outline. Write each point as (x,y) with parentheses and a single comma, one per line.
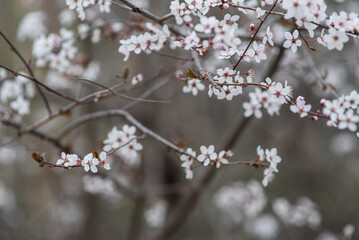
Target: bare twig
(35,133)
(120,94)
(118,112)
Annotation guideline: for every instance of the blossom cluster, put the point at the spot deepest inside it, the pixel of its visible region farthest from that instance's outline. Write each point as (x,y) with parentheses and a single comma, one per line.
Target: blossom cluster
(124,143)
(155,215)
(275,95)
(153,40)
(17,93)
(55,49)
(81,5)
(245,204)
(183,11)
(341,25)
(343,112)
(101,186)
(272,157)
(241,200)
(224,34)
(89,162)
(303,213)
(31,26)
(207,157)
(305,12)
(309,14)
(230,81)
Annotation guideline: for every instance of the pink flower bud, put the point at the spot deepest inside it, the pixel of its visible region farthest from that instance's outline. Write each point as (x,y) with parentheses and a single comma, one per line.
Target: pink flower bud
(251,26)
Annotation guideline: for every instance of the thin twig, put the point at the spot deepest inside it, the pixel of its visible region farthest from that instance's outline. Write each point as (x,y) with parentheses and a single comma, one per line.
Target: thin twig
(120,94)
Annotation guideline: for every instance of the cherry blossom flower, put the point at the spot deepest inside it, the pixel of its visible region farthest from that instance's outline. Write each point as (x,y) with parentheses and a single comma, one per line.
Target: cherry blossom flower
(188,169)
(352,100)
(21,106)
(67,160)
(31,26)
(79,6)
(104,5)
(189,156)
(348,120)
(193,86)
(228,92)
(207,155)
(260,12)
(136,79)
(103,162)
(150,41)
(252,108)
(221,159)
(292,41)
(56,50)
(229,19)
(280,93)
(273,158)
(156,214)
(225,75)
(268,37)
(226,54)
(124,143)
(335,39)
(300,107)
(187,160)
(207,25)
(90,162)
(268,176)
(260,153)
(257,52)
(333,108)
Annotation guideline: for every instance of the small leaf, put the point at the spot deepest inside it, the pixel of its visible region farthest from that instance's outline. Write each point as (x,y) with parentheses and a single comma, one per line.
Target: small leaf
(126,72)
(332,87)
(65,112)
(191,74)
(36,157)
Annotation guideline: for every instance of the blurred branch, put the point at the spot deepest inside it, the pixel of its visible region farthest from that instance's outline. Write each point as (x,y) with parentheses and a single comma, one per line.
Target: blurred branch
(35,133)
(111,90)
(189,202)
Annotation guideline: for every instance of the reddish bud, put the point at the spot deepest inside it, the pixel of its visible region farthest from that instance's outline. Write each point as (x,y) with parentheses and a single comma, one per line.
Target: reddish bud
(252,26)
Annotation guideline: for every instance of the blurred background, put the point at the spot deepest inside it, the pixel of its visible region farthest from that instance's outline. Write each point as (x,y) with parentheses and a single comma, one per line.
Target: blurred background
(318,163)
